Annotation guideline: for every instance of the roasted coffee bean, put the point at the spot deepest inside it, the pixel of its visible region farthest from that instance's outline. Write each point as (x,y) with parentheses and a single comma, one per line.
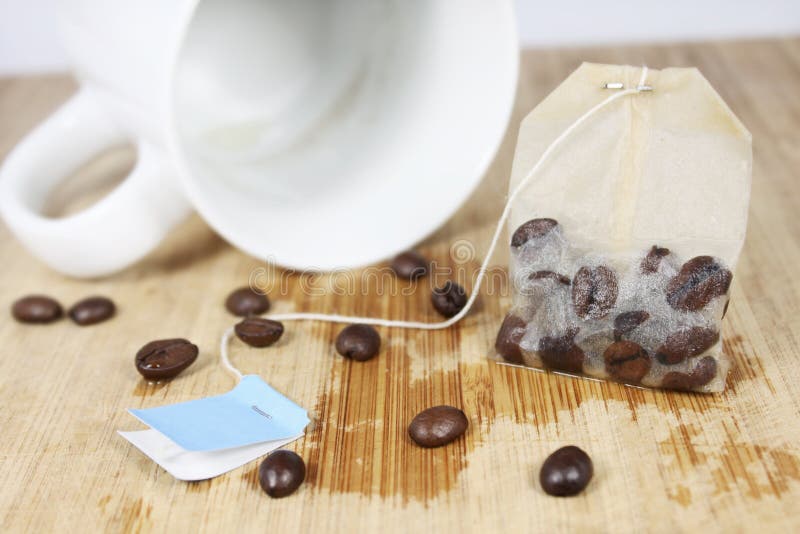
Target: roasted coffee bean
(508,338)
(437,426)
(566,472)
(258,332)
(561,353)
(281,473)
(704,372)
(653,259)
(359,342)
(594,292)
(244,301)
(92,310)
(626,361)
(36,309)
(165,358)
(699,281)
(531,230)
(677,381)
(550,275)
(686,343)
(625,323)
(410,265)
(449,299)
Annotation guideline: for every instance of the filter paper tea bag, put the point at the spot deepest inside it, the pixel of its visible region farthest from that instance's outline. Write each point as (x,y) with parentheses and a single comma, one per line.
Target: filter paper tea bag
(625,239)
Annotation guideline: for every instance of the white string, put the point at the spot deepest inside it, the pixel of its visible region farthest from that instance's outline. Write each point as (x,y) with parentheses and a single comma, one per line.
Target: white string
(223,355)
(376,321)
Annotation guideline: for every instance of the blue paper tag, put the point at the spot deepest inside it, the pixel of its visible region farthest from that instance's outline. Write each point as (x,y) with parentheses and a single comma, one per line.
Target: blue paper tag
(252,412)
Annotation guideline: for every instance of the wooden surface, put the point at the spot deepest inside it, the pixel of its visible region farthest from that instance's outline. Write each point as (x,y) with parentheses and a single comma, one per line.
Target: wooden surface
(663,461)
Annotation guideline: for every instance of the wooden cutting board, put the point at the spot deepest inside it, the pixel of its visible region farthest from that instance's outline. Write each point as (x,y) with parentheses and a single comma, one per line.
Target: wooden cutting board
(663,461)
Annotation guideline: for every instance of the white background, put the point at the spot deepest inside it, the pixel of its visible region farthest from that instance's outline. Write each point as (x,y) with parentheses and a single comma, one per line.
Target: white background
(28,40)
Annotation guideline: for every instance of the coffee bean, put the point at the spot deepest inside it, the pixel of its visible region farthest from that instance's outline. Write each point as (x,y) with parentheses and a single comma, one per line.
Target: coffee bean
(449,299)
(92,310)
(704,372)
(626,361)
(410,265)
(550,275)
(258,332)
(594,292)
(244,301)
(437,426)
(507,344)
(561,353)
(677,381)
(686,343)
(165,358)
(281,473)
(36,309)
(359,342)
(625,323)
(699,281)
(653,259)
(566,472)
(531,230)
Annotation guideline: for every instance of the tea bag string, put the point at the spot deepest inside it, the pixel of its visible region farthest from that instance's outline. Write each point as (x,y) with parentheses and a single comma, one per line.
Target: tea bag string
(376,321)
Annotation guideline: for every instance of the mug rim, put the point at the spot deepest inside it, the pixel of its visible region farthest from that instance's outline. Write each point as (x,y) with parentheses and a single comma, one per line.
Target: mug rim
(228,230)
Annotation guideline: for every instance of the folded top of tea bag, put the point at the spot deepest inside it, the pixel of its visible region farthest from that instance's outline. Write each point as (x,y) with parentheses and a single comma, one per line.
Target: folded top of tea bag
(671,166)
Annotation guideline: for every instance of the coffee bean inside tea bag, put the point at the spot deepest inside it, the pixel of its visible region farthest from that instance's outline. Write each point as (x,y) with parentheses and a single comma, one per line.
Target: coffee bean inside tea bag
(625,234)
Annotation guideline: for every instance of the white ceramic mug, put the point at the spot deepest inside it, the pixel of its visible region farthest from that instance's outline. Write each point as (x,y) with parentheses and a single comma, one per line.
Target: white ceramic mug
(313,133)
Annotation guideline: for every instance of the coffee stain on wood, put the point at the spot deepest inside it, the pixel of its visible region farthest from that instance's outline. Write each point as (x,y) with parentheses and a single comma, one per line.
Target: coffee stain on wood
(145,388)
(198,486)
(356,451)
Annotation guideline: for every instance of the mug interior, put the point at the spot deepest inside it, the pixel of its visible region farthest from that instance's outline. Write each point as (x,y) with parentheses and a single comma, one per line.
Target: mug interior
(333,134)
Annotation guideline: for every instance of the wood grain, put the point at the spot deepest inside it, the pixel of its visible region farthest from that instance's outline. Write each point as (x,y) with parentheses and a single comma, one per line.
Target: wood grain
(664,461)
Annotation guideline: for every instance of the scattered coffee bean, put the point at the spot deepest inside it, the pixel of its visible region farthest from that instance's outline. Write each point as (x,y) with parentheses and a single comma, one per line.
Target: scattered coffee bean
(244,301)
(566,472)
(550,275)
(561,353)
(359,342)
(410,265)
(625,323)
(259,332)
(699,281)
(686,343)
(449,299)
(36,309)
(594,292)
(437,426)
(165,358)
(626,361)
(281,473)
(508,338)
(92,310)
(703,373)
(653,259)
(531,230)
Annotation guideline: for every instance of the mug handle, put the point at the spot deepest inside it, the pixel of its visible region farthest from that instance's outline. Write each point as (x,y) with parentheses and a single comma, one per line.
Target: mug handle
(111,234)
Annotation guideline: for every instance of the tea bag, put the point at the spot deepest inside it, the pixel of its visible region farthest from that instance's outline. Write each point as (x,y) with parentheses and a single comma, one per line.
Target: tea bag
(625,238)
